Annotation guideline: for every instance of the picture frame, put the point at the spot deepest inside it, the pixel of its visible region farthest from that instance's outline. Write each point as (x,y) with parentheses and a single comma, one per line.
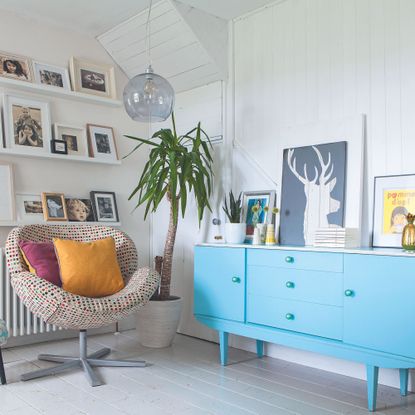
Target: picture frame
(29,208)
(16,67)
(92,78)
(27,124)
(101,141)
(59,147)
(75,138)
(262,198)
(51,75)
(394,197)
(105,206)
(54,207)
(79,209)
(7,204)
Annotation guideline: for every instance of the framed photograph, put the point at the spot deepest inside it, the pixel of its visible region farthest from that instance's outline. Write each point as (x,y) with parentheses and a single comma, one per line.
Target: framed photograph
(7,192)
(79,210)
(253,212)
(105,206)
(75,138)
(27,124)
(29,208)
(394,198)
(102,142)
(54,207)
(92,78)
(15,67)
(51,75)
(59,147)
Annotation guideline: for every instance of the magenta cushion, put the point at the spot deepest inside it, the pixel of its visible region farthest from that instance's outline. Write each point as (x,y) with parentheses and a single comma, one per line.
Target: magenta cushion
(42,258)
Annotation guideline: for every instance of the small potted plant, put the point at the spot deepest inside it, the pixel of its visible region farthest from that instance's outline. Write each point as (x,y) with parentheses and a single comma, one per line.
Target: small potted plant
(234,229)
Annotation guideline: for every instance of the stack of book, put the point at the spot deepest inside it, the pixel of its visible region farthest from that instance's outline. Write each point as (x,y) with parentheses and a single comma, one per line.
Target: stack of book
(337,237)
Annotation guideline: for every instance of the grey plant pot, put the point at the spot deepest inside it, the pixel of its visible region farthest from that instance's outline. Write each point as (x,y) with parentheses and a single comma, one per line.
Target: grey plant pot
(157,322)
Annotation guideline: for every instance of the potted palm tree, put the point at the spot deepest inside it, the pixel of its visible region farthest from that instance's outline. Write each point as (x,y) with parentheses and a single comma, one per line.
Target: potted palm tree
(177,166)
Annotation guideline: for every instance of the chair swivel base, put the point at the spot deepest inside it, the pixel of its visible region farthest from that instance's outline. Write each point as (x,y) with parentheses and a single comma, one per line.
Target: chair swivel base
(84,361)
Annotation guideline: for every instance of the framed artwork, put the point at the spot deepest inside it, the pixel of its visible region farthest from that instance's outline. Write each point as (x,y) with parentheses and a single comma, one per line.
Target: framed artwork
(105,206)
(54,207)
(79,210)
(75,138)
(51,75)
(313,191)
(253,212)
(7,192)
(27,124)
(102,142)
(394,198)
(15,67)
(59,147)
(29,208)
(92,78)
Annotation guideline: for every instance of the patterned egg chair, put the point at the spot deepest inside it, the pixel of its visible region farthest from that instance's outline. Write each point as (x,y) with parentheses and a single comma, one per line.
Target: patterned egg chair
(69,311)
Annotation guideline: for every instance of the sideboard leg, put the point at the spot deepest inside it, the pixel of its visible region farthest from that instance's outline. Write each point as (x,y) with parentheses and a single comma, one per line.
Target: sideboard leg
(260,348)
(223,342)
(372,386)
(404,374)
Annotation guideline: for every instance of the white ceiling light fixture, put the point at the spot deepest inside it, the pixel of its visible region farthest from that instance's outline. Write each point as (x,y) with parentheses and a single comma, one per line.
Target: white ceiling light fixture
(148,97)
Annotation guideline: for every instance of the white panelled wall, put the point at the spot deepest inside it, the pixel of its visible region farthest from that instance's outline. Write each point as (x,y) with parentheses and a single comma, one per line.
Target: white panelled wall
(303,61)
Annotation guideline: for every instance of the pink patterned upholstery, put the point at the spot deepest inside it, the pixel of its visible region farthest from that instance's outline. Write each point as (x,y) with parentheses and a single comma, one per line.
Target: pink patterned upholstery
(67,310)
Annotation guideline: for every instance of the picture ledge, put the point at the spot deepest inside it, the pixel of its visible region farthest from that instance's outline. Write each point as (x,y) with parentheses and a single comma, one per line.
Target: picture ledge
(84,159)
(58,92)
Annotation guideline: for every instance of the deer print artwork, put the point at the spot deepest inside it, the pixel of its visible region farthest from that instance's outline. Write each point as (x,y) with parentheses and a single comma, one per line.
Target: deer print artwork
(312,191)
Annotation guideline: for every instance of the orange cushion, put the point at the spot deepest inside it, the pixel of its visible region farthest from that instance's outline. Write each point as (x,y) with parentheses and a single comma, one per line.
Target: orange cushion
(89,269)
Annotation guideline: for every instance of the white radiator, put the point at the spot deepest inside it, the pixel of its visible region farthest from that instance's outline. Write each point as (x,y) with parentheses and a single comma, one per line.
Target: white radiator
(20,321)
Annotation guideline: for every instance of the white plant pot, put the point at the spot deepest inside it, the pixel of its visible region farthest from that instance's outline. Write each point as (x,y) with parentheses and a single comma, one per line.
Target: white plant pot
(235,233)
(157,322)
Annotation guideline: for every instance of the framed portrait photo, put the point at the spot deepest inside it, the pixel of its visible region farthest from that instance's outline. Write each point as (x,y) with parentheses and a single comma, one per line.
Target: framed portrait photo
(27,124)
(256,209)
(79,210)
(394,198)
(50,75)
(75,138)
(102,142)
(29,208)
(92,78)
(15,67)
(54,207)
(7,192)
(105,206)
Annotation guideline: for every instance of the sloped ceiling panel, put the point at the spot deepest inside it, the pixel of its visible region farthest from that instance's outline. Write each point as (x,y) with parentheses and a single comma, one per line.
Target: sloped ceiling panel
(176,52)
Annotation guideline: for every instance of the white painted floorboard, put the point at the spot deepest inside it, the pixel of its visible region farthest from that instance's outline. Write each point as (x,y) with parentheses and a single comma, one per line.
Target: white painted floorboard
(185,379)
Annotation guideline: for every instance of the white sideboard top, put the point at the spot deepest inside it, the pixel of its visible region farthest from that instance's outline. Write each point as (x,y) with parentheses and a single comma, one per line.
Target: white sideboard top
(363,251)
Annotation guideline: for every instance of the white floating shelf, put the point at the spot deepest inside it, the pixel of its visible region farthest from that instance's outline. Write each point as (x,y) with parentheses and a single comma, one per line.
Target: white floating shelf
(18,223)
(58,92)
(84,159)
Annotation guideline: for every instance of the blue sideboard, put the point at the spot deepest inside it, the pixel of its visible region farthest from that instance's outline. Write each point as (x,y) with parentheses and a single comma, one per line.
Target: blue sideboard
(352,304)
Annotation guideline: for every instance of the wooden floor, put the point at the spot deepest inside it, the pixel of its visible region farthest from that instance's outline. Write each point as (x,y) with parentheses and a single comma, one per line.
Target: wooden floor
(185,379)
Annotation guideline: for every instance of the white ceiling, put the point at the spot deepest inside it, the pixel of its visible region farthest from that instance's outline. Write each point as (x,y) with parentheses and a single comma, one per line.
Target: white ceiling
(95,17)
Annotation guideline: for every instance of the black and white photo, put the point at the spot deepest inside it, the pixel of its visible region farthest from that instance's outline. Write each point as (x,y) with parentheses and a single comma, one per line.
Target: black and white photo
(51,75)
(54,207)
(105,206)
(102,142)
(15,67)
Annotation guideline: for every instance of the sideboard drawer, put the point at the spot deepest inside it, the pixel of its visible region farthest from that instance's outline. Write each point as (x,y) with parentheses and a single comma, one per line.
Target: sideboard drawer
(308,318)
(317,261)
(294,284)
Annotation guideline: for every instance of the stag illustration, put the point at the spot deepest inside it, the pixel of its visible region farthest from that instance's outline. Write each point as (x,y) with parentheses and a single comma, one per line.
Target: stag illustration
(317,192)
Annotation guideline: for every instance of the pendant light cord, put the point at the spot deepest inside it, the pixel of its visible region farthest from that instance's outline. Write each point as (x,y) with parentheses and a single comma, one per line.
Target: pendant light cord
(148,32)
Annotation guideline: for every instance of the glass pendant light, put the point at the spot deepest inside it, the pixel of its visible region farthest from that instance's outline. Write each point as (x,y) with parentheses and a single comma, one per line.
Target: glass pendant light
(148,97)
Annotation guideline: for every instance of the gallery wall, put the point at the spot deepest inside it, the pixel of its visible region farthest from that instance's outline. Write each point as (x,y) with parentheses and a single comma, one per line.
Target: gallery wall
(55,45)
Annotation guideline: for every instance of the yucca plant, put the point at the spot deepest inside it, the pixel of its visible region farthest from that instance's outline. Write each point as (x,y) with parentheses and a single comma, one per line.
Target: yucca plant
(233,212)
(177,165)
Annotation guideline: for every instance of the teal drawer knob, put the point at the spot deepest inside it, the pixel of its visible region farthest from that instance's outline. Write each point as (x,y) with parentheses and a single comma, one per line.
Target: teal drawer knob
(289,316)
(289,259)
(289,284)
(349,293)
(237,280)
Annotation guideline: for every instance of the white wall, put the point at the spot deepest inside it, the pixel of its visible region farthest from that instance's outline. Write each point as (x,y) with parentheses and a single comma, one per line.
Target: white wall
(56,45)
